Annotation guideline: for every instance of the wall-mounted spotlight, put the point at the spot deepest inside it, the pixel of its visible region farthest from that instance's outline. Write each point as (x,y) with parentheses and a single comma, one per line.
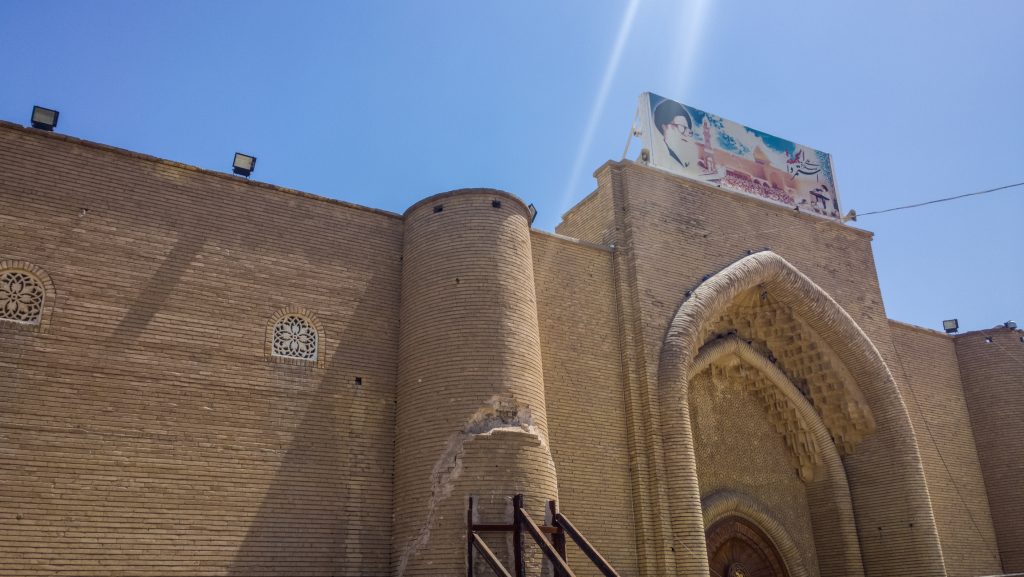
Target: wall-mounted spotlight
(533,213)
(44,118)
(243,164)
(951,326)
(1010,325)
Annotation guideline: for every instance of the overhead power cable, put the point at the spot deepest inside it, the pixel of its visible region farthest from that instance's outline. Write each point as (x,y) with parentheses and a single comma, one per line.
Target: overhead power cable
(854,215)
(941,199)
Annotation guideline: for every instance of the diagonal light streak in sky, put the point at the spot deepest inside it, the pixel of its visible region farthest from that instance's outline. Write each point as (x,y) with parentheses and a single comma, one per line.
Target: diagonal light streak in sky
(599,102)
(694,14)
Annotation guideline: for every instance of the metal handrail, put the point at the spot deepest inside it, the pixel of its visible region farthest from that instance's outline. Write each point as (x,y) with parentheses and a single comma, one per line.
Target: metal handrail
(562,522)
(488,555)
(553,549)
(545,545)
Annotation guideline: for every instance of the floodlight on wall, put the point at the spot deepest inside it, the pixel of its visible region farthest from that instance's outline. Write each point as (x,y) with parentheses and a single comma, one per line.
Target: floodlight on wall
(951,325)
(243,164)
(44,118)
(1010,325)
(533,213)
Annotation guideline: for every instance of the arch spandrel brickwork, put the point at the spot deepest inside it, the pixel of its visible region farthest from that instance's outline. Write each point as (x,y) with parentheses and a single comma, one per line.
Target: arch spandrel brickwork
(911,521)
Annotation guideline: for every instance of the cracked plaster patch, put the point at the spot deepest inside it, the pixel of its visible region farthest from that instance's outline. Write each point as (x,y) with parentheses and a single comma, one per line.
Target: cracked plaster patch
(497,414)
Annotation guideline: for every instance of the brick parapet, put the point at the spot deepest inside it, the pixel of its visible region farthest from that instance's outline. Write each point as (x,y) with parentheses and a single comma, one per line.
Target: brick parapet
(593,218)
(927,332)
(240,180)
(573,241)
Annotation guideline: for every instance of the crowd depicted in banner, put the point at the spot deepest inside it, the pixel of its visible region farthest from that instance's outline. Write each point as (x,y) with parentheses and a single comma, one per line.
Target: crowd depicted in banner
(705,147)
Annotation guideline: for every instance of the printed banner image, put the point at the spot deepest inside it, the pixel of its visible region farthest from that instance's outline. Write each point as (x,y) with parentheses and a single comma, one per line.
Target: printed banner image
(708,148)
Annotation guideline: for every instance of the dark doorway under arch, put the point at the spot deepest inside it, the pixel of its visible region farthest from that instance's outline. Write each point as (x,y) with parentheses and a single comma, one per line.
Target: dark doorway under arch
(738,548)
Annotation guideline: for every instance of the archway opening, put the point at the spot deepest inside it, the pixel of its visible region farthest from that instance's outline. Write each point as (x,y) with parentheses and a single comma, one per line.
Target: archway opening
(786,456)
(864,391)
(739,548)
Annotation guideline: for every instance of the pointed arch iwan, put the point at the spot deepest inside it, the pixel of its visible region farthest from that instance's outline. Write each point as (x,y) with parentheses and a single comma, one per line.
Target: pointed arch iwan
(891,505)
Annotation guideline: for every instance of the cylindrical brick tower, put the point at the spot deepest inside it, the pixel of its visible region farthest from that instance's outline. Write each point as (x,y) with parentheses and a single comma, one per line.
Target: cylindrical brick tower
(470,418)
(992,371)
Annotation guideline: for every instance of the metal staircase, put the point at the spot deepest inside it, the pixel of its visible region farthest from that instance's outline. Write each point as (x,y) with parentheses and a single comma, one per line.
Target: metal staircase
(553,548)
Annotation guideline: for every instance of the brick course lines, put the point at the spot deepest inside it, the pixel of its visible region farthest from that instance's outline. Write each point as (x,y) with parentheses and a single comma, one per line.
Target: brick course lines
(144,431)
(929,378)
(919,552)
(830,535)
(738,450)
(471,415)
(678,232)
(584,391)
(993,380)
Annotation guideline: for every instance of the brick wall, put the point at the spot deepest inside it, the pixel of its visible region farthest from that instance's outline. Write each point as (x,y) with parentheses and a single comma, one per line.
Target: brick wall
(993,380)
(471,418)
(583,386)
(592,219)
(144,431)
(739,450)
(672,233)
(929,378)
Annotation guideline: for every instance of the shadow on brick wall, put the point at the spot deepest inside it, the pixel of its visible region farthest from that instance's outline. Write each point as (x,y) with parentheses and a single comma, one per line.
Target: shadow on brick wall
(327,510)
(153,297)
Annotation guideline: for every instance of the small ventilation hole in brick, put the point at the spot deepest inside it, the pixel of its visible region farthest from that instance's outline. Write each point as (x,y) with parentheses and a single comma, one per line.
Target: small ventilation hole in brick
(439,208)
(496,203)
(359,381)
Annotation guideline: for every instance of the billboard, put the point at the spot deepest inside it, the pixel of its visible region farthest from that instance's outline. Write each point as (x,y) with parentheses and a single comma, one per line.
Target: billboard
(699,145)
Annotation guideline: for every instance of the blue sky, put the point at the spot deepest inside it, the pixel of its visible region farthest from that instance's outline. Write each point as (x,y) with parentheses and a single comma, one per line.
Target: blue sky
(382,104)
